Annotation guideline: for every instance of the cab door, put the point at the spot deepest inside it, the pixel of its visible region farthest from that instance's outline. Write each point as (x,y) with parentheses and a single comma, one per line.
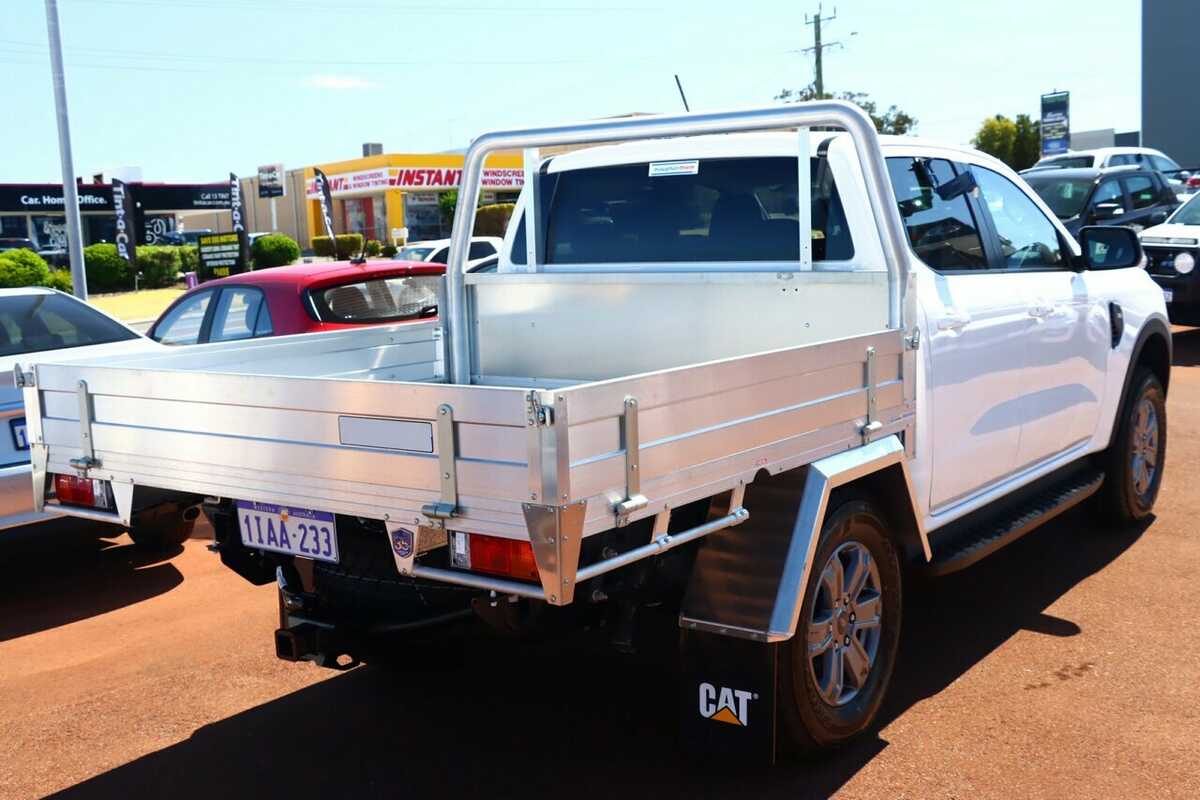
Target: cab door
(975,353)
(1069,337)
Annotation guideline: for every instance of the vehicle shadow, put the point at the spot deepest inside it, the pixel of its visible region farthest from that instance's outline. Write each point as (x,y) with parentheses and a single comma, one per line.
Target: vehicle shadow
(62,571)
(1186,347)
(573,719)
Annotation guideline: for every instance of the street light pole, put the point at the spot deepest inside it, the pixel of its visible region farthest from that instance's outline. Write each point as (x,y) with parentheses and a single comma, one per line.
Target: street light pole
(70,192)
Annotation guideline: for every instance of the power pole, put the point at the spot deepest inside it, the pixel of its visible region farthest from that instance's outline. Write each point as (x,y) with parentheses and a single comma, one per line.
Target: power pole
(70,192)
(819,47)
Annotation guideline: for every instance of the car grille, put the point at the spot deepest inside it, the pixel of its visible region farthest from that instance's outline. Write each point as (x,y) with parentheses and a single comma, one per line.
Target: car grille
(1161,260)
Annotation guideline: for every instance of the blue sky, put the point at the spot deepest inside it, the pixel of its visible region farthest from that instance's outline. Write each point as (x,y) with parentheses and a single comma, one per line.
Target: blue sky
(192,89)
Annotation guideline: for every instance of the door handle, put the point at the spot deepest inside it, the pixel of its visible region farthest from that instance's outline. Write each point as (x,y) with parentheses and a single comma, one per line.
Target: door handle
(953,321)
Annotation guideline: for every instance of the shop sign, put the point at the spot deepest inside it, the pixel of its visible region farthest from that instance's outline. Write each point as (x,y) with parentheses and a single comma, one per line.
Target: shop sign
(50,198)
(383,178)
(422,199)
(220,255)
(1056,123)
(270,181)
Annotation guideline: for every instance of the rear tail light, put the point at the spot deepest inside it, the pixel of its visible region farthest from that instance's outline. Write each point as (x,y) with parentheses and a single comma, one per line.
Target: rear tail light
(1194,181)
(491,554)
(74,491)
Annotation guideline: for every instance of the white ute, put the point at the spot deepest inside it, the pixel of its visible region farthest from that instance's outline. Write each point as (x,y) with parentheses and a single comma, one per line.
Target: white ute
(749,372)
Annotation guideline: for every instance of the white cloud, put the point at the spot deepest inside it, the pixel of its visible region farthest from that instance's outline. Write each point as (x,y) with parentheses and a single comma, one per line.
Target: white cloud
(338,82)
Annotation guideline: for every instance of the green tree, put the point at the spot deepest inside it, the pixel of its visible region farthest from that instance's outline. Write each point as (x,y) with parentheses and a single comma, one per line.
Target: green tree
(893,120)
(447,202)
(996,137)
(1027,146)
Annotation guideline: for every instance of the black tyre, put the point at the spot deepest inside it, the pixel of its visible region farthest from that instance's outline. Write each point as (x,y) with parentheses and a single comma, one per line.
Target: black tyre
(1133,463)
(836,669)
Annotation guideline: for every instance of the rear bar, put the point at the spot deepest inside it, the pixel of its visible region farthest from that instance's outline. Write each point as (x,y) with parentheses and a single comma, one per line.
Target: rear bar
(660,545)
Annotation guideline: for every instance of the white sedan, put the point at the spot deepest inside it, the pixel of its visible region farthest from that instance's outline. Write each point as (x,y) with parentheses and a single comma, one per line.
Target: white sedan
(40,325)
(1172,255)
(437,251)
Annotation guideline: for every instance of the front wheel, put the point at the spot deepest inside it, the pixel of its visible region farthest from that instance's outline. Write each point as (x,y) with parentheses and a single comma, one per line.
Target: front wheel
(836,669)
(1133,463)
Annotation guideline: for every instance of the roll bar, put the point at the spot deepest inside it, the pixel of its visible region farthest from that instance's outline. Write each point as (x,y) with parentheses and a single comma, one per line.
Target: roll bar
(835,113)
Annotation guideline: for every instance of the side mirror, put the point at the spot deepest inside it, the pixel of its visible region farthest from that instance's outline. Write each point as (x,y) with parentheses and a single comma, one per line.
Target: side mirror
(1104,211)
(1159,217)
(1110,247)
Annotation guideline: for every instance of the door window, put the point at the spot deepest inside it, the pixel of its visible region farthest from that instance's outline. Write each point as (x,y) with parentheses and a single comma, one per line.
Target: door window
(241,313)
(441,256)
(1163,164)
(1027,237)
(1142,193)
(1109,192)
(1125,159)
(182,324)
(943,233)
(481,250)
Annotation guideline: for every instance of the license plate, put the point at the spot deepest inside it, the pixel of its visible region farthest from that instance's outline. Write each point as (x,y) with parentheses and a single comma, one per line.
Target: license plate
(1168,295)
(287,529)
(19,437)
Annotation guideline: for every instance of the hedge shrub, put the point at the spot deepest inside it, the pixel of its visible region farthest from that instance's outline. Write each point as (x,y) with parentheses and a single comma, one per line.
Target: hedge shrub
(189,258)
(374,248)
(106,271)
(493,220)
(60,279)
(343,246)
(159,266)
(22,268)
(274,250)
(389,250)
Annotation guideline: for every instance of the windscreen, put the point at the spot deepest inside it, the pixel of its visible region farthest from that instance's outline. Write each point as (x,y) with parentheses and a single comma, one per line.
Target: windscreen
(378,300)
(1188,214)
(1065,196)
(700,210)
(413,253)
(34,323)
(1068,162)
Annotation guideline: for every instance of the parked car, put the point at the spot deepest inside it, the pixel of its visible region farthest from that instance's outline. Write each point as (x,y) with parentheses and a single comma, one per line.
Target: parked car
(437,251)
(1131,196)
(17,243)
(300,298)
(1102,157)
(185,237)
(48,325)
(745,389)
(1172,255)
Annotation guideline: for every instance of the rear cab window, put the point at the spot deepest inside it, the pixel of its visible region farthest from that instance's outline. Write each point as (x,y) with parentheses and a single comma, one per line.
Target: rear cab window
(742,209)
(377,300)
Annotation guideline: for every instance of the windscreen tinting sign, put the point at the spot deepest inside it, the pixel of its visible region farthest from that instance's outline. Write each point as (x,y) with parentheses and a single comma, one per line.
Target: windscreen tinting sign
(1056,123)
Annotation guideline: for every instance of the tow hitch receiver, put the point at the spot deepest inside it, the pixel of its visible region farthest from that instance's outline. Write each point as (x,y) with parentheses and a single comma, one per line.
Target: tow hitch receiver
(308,642)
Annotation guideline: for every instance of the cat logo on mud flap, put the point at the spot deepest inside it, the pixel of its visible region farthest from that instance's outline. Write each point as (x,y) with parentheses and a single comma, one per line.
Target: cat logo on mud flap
(722,704)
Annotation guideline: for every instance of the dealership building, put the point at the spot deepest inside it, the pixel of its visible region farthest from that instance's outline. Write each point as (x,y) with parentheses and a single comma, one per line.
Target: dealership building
(35,210)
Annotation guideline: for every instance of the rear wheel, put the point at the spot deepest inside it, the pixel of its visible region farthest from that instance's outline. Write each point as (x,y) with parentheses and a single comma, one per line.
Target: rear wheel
(1133,463)
(836,669)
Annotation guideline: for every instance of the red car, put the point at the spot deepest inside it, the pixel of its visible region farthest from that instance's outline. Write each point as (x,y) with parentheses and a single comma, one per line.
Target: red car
(301,298)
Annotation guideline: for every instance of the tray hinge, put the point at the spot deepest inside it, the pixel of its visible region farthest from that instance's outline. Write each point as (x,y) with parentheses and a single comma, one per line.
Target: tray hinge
(23,379)
(447,506)
(872,423)
(88,460)
(913,340)
(537,414)
(630,441)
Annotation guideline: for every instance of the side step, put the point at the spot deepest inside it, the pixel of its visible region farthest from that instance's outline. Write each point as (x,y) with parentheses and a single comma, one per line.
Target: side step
(978,537)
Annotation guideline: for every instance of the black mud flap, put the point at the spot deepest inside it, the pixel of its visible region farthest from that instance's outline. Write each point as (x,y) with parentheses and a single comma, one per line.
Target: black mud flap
(727,698)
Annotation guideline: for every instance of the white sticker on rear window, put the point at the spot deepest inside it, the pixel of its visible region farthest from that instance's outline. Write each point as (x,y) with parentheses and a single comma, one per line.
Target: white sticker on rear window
(660,169)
